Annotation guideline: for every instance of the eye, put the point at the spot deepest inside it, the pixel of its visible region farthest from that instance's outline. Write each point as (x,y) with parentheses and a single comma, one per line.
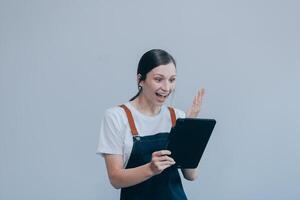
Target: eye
(172,80)
(157,79)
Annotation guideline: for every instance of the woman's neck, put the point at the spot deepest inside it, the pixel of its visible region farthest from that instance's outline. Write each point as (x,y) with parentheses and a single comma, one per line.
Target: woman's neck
(145,106)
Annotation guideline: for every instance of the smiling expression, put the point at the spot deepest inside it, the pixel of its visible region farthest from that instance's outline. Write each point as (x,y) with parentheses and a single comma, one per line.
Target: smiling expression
(159,83)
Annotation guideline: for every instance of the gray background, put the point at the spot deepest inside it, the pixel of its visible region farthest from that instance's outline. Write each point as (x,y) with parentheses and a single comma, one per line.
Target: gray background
(64,62)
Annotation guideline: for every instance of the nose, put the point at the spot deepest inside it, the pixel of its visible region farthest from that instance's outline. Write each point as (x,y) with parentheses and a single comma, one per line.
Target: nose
(166,86)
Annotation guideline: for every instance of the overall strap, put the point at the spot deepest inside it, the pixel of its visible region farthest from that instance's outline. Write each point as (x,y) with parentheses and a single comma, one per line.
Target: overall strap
(173,116)
(130,120)
(134,131)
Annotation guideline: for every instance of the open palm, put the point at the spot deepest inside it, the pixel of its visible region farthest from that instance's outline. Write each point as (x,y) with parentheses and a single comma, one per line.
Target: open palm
(194,110)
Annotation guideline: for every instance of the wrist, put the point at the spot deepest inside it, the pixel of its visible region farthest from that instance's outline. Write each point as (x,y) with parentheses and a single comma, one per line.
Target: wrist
(149,170)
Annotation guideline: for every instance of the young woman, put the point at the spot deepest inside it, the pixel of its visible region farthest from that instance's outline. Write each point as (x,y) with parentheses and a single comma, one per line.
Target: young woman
(134,135)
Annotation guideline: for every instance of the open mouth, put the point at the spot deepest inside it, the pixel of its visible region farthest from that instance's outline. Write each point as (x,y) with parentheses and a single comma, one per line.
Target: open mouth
(161,95)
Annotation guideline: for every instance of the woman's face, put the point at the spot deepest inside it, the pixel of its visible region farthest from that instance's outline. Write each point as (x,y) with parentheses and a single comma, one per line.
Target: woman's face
(159,83)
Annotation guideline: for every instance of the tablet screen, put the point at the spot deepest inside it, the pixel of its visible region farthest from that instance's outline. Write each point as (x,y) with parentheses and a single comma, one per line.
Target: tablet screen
(188,139)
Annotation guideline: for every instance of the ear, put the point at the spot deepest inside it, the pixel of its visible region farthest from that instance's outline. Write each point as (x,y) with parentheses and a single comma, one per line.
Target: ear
(139,81)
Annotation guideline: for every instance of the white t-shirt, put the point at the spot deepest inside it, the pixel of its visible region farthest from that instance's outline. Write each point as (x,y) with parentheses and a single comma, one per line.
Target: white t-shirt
(115,134)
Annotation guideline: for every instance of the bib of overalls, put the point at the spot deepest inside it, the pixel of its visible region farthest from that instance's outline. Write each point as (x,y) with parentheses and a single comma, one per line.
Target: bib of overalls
(164,186)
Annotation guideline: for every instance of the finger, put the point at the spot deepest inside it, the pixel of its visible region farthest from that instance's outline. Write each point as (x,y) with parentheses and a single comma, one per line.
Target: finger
(165,158)
(162,168)
(195,100)
(202,91)
(161,153)
(165,163)
(198,98)
(165,152)
(200,95)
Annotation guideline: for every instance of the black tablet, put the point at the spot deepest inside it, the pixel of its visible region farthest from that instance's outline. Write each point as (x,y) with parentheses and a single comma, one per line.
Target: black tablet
(188,139)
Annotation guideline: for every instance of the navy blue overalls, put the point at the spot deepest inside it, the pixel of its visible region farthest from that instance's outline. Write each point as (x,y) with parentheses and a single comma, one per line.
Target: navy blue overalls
(164,186)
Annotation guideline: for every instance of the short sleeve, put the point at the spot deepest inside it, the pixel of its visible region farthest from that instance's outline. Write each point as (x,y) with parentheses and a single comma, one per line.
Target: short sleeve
(110,137)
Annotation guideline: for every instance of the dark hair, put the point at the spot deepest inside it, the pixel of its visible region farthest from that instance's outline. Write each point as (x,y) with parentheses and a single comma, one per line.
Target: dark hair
(150,60)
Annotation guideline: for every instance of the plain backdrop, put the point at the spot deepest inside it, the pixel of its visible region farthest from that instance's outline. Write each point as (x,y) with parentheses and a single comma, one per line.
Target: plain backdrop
(62,63)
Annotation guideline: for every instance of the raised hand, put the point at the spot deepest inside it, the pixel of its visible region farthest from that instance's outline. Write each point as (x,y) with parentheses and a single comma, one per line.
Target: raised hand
(194,110)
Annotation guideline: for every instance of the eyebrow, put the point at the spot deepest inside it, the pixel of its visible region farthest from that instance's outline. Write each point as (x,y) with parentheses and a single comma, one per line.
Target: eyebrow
(163,75)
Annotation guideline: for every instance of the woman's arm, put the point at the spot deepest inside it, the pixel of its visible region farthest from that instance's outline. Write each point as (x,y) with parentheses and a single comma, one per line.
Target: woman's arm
(192,112)
(190,174)
(120,177)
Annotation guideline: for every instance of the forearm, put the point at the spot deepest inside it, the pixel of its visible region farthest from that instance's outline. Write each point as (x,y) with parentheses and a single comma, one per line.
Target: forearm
(128,177)
(190,174)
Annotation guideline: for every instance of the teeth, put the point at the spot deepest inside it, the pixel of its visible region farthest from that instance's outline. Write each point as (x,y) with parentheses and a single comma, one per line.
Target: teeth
(162,95)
